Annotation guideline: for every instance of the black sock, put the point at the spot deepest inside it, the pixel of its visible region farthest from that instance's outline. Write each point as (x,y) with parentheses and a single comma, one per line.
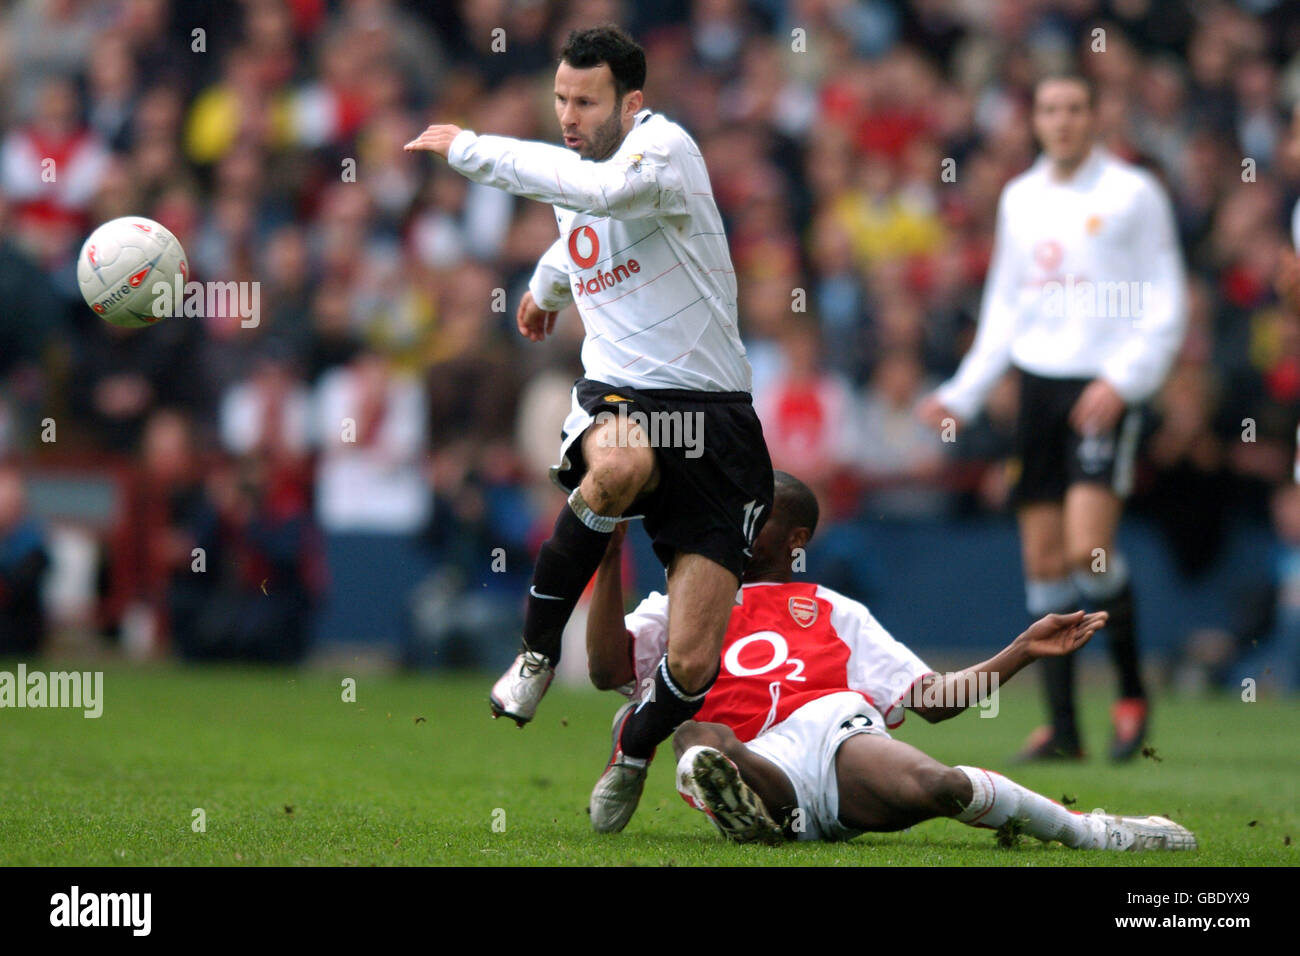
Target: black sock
(667,709)
(565,564)
(1121,630)
(1058,681)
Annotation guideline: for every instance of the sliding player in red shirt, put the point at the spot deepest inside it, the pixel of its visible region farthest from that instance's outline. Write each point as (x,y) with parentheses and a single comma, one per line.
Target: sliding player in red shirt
(796,727)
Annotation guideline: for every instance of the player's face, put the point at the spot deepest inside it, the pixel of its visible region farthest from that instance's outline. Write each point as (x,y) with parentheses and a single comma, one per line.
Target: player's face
(590,114)
(1063,120)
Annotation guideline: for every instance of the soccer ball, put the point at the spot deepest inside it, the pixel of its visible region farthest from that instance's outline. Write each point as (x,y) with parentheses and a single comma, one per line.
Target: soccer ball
(120,266)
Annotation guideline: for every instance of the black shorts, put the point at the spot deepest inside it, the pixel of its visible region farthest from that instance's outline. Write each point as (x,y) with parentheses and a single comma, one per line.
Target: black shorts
(715,476)
(1053,456)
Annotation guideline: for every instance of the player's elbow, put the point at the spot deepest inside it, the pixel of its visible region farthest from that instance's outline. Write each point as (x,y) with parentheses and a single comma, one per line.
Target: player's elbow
(605,674)
(602,677)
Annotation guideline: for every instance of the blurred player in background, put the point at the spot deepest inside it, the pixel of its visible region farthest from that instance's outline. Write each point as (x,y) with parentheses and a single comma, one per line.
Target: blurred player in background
(1085,296)
(1288,273)
(798,718)
(643,256)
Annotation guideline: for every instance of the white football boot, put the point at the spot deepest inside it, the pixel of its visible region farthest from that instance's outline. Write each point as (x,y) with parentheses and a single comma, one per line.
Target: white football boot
(1134,834)
(618,791)
(520,689)
(711,782)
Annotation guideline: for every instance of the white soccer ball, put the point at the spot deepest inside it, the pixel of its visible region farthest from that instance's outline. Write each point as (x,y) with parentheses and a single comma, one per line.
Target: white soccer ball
(120,266)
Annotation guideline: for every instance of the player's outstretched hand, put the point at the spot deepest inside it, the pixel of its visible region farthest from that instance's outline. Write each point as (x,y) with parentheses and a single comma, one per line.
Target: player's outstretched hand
(1058,634)
(935,413)
(436,139)
(1098,409)
(534,322)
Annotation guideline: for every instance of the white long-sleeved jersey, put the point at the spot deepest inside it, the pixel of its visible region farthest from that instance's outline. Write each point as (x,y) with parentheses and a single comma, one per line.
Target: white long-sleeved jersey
(641,253)
(1086,281)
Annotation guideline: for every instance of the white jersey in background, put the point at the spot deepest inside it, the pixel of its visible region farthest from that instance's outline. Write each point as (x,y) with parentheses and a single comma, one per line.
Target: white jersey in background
(1295,226)
(641,253)
(1086,281)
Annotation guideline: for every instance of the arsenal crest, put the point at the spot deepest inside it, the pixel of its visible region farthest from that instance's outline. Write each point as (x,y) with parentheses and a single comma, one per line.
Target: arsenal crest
(803,610)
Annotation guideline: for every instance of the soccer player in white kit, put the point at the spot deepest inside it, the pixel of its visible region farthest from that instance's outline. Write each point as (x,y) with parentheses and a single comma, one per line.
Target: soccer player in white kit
(643,256)
(1085,296)
(796,727)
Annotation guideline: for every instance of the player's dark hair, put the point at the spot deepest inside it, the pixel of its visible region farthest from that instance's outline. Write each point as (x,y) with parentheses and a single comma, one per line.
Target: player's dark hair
(1069,76)
(798,503)
(607,44)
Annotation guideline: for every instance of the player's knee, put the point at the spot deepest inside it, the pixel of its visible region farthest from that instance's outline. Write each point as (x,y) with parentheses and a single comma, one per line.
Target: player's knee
(950,790)
(685,737)
(602,677)
(693,733)
(1045,563)
(616,478)
(933,788)
(731,745)
(1084,558)
(692,669)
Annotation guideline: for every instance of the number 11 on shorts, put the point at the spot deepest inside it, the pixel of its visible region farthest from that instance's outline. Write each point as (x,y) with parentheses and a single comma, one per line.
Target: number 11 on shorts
(752,511)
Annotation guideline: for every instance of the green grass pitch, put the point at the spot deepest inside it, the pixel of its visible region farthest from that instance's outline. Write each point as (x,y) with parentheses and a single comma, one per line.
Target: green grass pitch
(415,772)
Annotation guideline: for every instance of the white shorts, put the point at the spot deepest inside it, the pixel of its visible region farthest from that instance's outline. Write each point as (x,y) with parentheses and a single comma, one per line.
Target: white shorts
(804,747)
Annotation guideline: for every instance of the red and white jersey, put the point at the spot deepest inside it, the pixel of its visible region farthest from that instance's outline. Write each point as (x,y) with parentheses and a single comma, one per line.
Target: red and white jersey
(787,645)
(76,163)
(641,253)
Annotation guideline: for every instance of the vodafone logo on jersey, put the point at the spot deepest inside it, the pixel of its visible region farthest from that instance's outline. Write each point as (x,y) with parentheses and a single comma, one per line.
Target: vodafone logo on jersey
(585,238)
(584,235)
(803,610)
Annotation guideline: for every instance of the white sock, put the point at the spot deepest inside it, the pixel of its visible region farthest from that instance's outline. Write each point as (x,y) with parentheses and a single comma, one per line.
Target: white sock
(997,800)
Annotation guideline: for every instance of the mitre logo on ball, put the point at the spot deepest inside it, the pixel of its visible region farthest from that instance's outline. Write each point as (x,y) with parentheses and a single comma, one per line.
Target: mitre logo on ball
(120,264)
(133,272)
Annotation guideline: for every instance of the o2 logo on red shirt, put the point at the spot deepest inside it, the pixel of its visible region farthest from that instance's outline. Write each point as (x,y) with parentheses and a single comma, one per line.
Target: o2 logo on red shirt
(589,234)
(780,654)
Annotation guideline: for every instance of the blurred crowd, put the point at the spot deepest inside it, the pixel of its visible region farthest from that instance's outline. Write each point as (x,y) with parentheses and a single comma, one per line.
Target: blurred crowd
(267,134)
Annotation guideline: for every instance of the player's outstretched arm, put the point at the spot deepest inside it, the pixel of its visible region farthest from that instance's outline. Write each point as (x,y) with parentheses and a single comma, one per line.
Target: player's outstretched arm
(641,186)
(609,658)
(937,697)
(435,139)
